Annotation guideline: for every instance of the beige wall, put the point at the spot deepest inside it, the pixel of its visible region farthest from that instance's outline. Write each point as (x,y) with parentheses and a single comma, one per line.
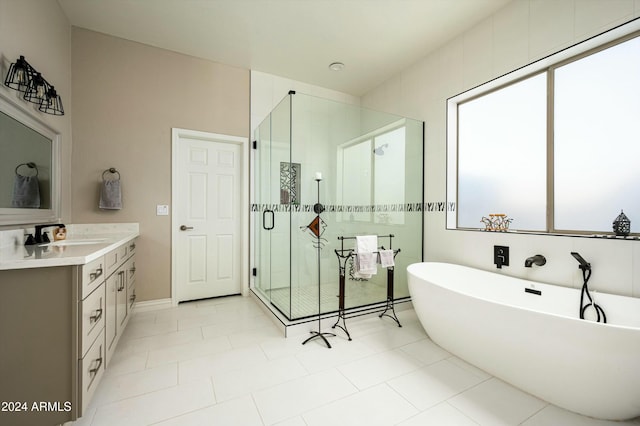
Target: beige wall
(126,98)
(40,32)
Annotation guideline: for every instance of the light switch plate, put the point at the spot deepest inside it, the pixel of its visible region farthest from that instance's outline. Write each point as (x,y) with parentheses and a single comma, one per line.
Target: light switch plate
(162,210)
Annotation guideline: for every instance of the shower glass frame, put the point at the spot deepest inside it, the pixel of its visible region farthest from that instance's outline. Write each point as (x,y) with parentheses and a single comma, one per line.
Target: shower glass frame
(304,135)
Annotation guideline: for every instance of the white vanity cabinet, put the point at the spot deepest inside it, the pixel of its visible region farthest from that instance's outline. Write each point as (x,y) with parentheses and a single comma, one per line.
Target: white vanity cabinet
(107,313)
(59,326)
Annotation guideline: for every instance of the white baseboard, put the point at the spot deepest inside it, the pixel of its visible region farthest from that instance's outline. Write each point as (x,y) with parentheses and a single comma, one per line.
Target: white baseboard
(153,305)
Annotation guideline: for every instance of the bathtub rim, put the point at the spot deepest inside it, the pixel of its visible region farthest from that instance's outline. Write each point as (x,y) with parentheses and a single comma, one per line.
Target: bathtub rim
(522,280)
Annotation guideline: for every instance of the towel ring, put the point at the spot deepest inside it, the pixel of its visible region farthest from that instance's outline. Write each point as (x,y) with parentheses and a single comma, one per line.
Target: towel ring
(113,171)
(30,165)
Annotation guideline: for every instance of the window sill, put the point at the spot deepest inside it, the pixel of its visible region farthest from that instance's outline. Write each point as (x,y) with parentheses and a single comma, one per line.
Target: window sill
(632,237)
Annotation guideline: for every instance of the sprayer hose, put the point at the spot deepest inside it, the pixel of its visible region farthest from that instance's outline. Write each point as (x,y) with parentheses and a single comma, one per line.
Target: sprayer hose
(585,290)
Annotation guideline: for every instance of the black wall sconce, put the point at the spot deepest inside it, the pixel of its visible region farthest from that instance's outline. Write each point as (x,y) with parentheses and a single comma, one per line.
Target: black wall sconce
(35,89)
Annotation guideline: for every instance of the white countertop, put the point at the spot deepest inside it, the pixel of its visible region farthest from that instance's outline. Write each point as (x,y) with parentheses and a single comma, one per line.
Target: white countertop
(102,240)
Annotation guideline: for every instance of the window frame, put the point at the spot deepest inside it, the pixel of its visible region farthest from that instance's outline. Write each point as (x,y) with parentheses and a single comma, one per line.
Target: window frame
(546,65)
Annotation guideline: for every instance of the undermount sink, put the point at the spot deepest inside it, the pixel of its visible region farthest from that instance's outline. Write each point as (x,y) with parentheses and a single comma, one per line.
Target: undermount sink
(74,242)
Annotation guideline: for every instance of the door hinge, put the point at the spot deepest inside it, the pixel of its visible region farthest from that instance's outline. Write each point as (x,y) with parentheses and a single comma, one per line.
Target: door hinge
(254,272)
(255,144)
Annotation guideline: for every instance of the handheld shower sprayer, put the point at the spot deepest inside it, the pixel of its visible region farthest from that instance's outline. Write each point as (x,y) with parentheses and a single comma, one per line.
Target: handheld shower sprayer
(584,265)
(586,274)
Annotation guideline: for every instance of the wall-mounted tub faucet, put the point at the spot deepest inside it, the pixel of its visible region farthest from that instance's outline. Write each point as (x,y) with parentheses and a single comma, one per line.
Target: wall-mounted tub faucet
(538,259)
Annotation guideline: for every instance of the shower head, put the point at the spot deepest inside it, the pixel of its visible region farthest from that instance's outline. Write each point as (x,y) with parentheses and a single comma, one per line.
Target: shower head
(380,150)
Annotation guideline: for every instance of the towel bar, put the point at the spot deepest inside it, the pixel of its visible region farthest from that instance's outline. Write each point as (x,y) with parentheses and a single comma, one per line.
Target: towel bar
(343,256)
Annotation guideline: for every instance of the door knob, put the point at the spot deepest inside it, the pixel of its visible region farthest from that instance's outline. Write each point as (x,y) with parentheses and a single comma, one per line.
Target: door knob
(185,227)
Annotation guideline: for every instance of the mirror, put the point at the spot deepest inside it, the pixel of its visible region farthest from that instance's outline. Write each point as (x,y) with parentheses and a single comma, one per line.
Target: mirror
(29,184)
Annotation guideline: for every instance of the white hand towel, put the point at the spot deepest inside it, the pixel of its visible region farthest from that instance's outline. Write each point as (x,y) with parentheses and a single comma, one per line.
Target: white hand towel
(356,269)
(366,263)
(386,258)
(366,245)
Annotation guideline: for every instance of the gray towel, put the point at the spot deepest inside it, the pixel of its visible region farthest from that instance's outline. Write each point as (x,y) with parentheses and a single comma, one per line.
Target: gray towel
(26,192)
(110,195)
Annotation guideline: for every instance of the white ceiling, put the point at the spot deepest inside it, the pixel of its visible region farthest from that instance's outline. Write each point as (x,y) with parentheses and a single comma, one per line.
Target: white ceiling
(297,39)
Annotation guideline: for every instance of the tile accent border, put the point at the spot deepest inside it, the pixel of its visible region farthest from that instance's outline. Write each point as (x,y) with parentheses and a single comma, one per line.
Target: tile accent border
(432,206)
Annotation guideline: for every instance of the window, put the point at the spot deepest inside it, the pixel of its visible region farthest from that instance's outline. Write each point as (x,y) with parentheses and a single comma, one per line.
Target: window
(554,145)
(502,155)
(356,179)
(371,183)
(597,138)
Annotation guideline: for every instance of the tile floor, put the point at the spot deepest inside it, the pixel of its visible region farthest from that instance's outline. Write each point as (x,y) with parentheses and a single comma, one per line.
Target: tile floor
(304,299)
(222,362)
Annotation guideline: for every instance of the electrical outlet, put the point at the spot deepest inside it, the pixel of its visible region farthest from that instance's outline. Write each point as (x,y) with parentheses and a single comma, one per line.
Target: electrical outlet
(162,210)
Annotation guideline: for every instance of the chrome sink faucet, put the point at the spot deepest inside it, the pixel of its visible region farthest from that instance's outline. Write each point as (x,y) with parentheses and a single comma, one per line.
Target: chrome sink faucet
(538,259)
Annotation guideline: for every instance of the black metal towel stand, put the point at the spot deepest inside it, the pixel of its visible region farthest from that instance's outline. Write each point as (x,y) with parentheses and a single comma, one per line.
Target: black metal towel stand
(318,208)
(343,257)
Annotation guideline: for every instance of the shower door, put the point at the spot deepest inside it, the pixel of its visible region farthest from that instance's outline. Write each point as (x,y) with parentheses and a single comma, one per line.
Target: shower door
(272,210)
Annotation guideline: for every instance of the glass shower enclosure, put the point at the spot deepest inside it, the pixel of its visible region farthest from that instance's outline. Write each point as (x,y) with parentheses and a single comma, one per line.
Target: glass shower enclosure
(371,168)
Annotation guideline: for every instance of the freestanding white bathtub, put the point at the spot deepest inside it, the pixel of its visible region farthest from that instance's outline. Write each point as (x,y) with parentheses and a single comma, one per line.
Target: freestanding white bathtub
(535,342)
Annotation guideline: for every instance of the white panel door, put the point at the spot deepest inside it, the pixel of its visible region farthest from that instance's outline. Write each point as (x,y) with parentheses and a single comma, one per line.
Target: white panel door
(208,253)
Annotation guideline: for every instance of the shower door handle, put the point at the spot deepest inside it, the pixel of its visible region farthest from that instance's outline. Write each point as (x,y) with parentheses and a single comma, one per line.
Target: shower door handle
(264,220)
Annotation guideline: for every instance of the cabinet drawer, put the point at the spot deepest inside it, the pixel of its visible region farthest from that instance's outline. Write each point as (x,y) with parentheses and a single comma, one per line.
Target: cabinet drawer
(92,311)
(91,370)
(115,258)
(93,274)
